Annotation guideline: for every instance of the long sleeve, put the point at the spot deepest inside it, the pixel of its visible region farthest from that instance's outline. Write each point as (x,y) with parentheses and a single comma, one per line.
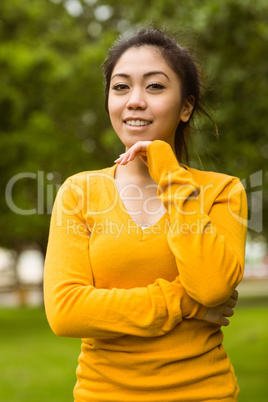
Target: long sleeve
(76,308)
(209,245)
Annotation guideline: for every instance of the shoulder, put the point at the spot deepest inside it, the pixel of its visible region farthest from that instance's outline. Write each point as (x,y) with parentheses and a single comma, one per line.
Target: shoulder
(219,187)
(85,191)
(89,184)
(217,181)
(91,176)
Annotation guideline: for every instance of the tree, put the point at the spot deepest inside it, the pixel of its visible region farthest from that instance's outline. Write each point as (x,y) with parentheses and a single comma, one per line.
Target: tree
(52,113)
(52,118)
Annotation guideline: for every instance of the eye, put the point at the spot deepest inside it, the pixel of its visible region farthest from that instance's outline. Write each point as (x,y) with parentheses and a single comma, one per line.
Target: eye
(156,86)
(119,87)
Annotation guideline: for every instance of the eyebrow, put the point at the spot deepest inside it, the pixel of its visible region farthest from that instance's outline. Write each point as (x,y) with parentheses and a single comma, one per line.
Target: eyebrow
(149,74)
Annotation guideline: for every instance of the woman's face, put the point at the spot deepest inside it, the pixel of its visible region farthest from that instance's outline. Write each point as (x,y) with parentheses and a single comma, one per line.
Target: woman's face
(145,102)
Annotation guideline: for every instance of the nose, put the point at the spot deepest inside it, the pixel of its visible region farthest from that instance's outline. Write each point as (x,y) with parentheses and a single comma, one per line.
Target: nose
(136,100)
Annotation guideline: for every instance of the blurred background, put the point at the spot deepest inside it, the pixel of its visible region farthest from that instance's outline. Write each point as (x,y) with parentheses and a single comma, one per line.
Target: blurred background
(53,124)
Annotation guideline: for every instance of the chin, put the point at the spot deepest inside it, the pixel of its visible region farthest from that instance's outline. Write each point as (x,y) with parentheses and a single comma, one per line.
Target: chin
(129,142)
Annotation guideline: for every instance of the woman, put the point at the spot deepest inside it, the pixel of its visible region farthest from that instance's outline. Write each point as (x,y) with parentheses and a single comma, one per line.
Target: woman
(144,257)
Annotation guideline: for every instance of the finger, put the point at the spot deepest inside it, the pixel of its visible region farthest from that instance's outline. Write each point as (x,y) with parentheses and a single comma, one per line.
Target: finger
(118,160)
(225,322)
(144,159)
(132,154)
(222,320)
(231,302)
(228,311)
(124,158)
(142,146)
(235,294)
(138,149)
(128,156)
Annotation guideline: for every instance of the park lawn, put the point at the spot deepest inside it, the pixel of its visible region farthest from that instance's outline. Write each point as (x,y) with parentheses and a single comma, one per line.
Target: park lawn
(246,342)
(38,366)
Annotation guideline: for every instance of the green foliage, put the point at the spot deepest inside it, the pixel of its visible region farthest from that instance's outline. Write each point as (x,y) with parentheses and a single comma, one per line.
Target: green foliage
(51,110)
(52,116)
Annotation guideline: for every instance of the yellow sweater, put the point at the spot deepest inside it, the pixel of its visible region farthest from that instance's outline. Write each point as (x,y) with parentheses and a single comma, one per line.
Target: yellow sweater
(137,297)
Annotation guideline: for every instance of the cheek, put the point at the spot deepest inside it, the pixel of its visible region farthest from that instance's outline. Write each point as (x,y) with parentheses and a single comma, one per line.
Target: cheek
(111,110)
(174,112)
(114,107)
(115,115)
(170,115)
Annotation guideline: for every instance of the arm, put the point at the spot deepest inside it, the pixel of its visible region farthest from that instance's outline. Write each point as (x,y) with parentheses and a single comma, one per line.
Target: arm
(75,308)
(209,248)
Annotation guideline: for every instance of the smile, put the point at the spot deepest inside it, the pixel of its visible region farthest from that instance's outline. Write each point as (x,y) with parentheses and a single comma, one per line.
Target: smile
(137,122)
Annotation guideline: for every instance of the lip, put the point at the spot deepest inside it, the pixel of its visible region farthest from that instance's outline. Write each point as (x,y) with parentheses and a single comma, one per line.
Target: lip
(137,118)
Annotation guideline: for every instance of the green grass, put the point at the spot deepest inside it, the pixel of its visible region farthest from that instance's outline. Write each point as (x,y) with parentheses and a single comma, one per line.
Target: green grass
(38,366)
(246,342)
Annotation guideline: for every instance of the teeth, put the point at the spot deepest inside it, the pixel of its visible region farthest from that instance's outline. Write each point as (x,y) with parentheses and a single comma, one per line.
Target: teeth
(138,122)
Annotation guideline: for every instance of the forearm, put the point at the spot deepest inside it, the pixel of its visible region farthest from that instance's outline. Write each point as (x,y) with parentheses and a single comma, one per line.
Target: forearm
(76,308)
(80,310)
(208,247)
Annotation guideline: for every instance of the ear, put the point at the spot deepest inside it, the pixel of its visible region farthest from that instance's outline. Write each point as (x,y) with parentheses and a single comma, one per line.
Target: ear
(187,108)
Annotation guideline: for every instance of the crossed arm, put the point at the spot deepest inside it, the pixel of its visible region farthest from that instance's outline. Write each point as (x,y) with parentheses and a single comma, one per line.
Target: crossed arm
(75,308)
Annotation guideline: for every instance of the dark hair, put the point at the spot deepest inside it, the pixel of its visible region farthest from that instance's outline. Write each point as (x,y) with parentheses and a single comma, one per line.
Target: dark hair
(181,62)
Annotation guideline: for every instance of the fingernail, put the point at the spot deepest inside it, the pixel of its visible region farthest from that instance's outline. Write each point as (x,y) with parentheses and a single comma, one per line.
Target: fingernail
(116,160)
